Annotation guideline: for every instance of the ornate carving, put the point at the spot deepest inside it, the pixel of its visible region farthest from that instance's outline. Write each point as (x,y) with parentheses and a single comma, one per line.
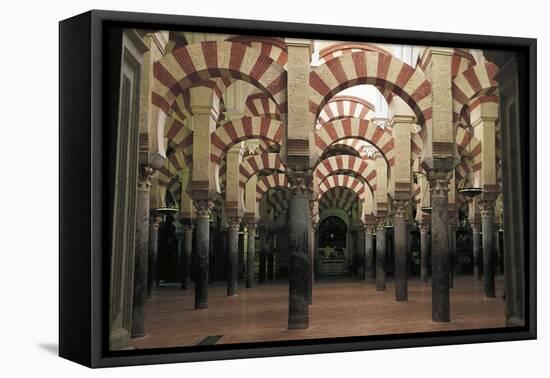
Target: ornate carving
(251,227)
(233,223)
(144,178)
(301,182)
(381,223)
(154,219)
(486,207)
(439,186)
(424,227)
(476,227)
(400,207)
(203,207)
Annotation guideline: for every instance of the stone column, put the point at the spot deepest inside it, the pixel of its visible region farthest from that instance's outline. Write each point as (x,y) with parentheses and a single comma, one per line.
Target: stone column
(262,272)
(452,250)
(361,252)
(141,251)
(271,255)
(311,253)
(381,255)
(400,248)
(424,252)
(154,223)
(439,188)
(497,250)
(251,245)
(186,255)
(232,255)
(476,247)
(369,255)
(203,209)
(487,223)
(298,226)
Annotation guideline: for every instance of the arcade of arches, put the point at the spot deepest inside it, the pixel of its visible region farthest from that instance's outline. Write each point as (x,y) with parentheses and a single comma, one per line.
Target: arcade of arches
(277,188)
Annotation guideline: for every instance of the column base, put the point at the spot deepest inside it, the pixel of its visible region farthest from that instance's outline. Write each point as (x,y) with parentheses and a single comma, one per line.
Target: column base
(301,324)
(201,306)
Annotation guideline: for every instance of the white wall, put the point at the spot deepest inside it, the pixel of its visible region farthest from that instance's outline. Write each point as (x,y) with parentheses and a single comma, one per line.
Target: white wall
(29,190)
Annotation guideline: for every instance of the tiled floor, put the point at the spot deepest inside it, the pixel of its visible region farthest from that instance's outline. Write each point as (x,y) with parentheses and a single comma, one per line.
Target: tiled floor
(340,308)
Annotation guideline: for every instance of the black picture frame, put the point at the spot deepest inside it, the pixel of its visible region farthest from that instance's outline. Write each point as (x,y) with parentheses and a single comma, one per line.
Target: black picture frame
(87,99)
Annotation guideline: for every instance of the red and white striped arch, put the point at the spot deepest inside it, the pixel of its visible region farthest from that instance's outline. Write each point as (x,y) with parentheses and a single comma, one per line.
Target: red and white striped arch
(189,66)
(342,163)
(261,105)
(265,183)
(357,129)
(345,107)
(253,164)
(339,49)
(277,200)
(469,148)
(380,70)
(340,198)
(272,47)
(180,138)
(342,181)
(474,82)
(240,129)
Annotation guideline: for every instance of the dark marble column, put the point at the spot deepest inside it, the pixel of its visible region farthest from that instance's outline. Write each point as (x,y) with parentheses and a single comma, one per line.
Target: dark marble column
(262,271)
(141,256)
(251,247)
(439,189)
(298,226)
(487,228)
(400,251)
(498,271)
(203,208)
(232,255)
(271,256)
(452,250)
(424,252)
(381,255)
(369,255)
(361,252)
(154,222)
(311,253)
(186,255)
(476,247)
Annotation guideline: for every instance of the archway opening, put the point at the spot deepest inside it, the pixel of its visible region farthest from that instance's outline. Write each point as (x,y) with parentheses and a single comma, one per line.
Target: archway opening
(332,248)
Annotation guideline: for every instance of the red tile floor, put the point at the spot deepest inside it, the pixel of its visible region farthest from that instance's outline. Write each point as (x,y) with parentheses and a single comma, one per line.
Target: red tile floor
(341,307)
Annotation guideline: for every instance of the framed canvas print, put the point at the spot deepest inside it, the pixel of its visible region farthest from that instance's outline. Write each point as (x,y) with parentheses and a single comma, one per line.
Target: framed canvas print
(234,188)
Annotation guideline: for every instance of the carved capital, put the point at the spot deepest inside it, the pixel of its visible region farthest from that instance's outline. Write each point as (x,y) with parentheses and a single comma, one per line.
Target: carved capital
(476,227)
(301,182)
(203,207)
(154,219)
(251,227)
(144,178)
(381,223)
(486,207)
(400,207)
(233,223)
(439,183)
(424,228)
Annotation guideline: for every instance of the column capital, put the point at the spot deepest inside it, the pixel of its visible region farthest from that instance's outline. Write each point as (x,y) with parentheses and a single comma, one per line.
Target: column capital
(424,227)
(301,182)
(486,207)
(233,223)
(203,207)
(381,223)
(439,182)
(476,227)
(144,178)
(154,218)
(400,207)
